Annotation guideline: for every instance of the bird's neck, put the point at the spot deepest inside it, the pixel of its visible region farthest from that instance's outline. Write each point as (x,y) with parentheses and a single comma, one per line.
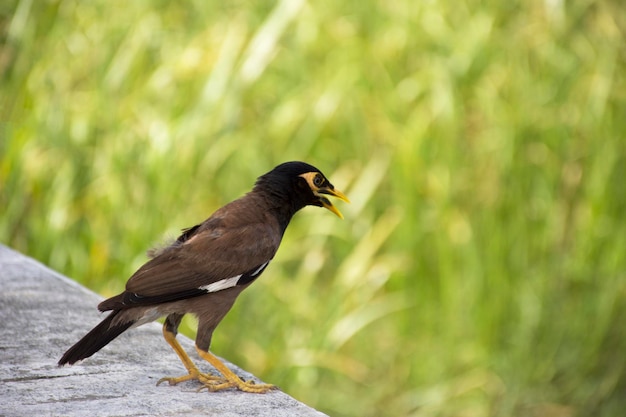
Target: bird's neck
(283,215)
(278,204)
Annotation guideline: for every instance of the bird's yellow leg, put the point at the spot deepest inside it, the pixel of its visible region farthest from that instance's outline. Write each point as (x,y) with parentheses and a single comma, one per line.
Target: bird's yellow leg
(193,372)
(230,379)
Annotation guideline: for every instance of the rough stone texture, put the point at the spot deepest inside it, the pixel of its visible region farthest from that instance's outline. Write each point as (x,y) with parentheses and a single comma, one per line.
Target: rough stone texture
(42,313)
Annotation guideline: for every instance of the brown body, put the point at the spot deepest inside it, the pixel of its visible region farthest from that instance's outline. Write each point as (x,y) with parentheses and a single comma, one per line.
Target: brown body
(208,266)
(213,252)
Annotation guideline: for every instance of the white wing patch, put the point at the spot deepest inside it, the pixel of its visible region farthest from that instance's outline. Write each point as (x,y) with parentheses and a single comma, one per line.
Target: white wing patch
(241,279)
(221,285)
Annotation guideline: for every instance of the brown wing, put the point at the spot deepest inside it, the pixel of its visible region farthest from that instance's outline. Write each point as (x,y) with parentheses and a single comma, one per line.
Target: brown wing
(230,243)
(206,258)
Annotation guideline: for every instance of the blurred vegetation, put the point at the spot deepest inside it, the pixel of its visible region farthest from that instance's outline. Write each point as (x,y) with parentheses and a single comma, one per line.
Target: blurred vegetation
(481,268)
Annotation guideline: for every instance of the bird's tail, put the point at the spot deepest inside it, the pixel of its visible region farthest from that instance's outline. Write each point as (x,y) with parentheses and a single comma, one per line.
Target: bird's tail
(95,340)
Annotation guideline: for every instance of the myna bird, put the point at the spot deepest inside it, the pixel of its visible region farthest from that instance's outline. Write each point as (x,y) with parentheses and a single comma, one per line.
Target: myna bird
(207,267)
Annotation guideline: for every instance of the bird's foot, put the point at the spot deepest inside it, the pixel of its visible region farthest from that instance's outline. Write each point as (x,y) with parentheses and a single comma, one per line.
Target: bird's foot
(214,383)
(238,383)
(203,378)
(230,380)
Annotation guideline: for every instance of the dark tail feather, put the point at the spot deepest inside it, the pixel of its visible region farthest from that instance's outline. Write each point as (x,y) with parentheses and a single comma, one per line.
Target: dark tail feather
(95,340)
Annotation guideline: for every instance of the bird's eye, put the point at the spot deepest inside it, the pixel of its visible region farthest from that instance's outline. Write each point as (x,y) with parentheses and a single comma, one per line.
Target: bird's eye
(318,181)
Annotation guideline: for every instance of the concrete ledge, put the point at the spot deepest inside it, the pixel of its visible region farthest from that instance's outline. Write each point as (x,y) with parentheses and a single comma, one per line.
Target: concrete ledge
(42,313)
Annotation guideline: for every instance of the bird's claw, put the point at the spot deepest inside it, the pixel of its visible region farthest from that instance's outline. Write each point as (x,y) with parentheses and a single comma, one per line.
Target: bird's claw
(240,384)
(216,383)
(203,378)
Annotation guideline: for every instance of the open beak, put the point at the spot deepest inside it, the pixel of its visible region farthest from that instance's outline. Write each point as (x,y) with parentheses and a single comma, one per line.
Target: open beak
(326,202)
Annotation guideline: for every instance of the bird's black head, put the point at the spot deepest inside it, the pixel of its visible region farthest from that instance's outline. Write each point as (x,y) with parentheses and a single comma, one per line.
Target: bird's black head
(298,184)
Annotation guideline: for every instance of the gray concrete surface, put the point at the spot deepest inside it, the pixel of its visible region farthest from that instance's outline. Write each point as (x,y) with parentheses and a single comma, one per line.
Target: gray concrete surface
(42,313)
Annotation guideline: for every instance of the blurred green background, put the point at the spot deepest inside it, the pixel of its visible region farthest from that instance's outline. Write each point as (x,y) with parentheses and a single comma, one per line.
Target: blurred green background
(481,267)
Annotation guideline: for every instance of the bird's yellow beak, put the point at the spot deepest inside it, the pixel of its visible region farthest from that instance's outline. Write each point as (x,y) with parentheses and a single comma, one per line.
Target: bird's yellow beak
(326,202)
